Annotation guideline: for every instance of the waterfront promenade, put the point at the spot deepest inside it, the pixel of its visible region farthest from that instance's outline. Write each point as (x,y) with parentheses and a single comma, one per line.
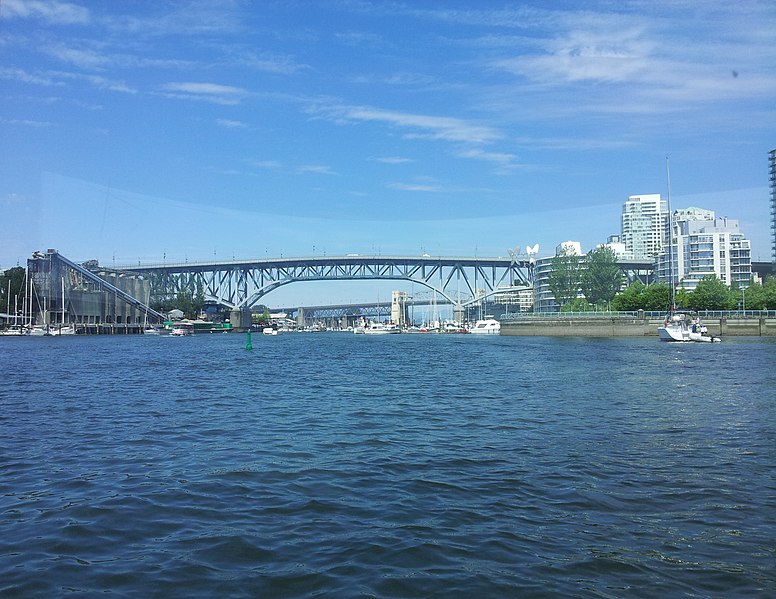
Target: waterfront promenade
(725,323)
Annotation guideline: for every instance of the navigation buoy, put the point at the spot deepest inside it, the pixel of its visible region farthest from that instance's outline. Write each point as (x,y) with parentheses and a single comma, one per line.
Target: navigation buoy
(248,344)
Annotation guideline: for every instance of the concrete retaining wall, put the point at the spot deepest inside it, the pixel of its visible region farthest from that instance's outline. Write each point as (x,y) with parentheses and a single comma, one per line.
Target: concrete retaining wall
(602,326)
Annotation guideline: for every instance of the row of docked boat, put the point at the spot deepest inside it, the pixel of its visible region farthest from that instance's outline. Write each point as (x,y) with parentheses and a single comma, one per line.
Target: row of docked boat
(46,330)
(488,326)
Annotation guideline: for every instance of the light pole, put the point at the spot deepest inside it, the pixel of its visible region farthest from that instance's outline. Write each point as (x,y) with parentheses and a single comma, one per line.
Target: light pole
(743,299)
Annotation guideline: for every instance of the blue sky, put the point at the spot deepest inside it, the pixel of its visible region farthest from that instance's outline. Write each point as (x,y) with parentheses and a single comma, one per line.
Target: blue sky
(150,131)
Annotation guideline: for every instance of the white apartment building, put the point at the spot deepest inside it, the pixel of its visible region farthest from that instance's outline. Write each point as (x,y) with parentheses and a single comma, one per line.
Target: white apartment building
(705,245)
(614,243)
(644,226)
(515,299)
(543,298)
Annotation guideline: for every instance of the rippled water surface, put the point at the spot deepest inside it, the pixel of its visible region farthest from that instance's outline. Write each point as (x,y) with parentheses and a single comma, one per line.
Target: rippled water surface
(396,466)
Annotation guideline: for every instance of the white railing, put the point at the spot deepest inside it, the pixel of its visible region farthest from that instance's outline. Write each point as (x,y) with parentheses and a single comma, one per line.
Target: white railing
(640,314)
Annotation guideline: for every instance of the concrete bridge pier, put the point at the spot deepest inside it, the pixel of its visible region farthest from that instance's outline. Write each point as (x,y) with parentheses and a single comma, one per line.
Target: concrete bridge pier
(240,319)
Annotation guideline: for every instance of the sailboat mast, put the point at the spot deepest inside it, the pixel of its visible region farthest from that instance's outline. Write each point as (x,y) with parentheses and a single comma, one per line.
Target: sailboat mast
(670,240)
(63,301)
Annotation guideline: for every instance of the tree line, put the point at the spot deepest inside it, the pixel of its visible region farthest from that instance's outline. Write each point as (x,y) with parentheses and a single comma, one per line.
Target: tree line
(598,278)
(12,288)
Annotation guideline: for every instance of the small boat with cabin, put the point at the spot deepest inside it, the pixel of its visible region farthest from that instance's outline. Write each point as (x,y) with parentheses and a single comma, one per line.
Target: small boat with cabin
(379,328)
(182,329)
(487,326)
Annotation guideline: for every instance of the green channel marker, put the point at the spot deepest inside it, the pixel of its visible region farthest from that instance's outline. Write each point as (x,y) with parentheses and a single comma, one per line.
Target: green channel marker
(248,344)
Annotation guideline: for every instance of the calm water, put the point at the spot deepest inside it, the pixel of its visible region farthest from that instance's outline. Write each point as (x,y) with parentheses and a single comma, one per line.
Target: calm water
(340,465)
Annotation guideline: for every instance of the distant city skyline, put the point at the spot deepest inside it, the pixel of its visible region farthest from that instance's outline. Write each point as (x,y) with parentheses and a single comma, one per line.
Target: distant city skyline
(196,130)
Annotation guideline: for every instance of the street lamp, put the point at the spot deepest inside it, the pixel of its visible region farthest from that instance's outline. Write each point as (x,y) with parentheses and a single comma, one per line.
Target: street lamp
(743,299)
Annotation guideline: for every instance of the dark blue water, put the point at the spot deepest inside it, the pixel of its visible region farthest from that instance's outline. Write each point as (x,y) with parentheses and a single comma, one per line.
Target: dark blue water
(340,465)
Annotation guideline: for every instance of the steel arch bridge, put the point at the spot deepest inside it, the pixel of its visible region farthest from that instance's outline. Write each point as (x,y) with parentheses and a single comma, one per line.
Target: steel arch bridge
(241,284)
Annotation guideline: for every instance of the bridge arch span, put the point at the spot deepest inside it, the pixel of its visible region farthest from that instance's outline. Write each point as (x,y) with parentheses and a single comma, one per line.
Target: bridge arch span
(240,284)
(259,293)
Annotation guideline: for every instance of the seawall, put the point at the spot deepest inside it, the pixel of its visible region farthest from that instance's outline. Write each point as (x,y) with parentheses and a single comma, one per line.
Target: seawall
(604,325)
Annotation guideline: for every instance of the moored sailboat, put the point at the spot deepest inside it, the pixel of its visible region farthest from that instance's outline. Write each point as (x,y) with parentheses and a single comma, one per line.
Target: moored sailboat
(679,326)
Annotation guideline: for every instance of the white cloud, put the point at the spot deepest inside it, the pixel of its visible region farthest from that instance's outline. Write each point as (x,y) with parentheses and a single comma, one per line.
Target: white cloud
(422,187)
(425,126)
(85,59)
(98,82)
(25,123)
(266,164)
(603,55)
(318,169)
(500,158)
(230,124)
(210,92)
(392,160)
(53,11)
(611,64)
(190,18)
(272,63)
(23,76)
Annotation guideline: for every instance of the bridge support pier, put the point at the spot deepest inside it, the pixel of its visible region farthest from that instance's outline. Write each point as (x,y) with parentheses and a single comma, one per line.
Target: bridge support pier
(240,319)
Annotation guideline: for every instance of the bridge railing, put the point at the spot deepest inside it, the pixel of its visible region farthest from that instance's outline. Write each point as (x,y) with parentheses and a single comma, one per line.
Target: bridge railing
(641,314)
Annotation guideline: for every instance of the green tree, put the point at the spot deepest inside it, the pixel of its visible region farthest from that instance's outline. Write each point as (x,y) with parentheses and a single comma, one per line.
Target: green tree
(564,278)
(751,298)
(602,278)
(769,291)
(163,305)
(682,299)
(14,276)
(629,299)
(578,304)
(191,305)
(637,296)
(260,314)
(657,297)
(711,294)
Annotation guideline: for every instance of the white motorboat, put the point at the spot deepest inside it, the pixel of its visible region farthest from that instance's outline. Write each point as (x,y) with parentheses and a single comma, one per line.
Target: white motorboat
(378,328)
(679,326)
(269,331)
(488,326)
(182,329)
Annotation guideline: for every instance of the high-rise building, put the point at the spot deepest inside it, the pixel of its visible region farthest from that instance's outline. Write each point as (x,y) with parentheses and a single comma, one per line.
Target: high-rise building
(772,157)
(704,245)
(644,225)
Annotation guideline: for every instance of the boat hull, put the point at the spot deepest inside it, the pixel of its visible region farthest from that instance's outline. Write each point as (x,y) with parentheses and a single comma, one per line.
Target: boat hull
(670,333)
(382,329)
